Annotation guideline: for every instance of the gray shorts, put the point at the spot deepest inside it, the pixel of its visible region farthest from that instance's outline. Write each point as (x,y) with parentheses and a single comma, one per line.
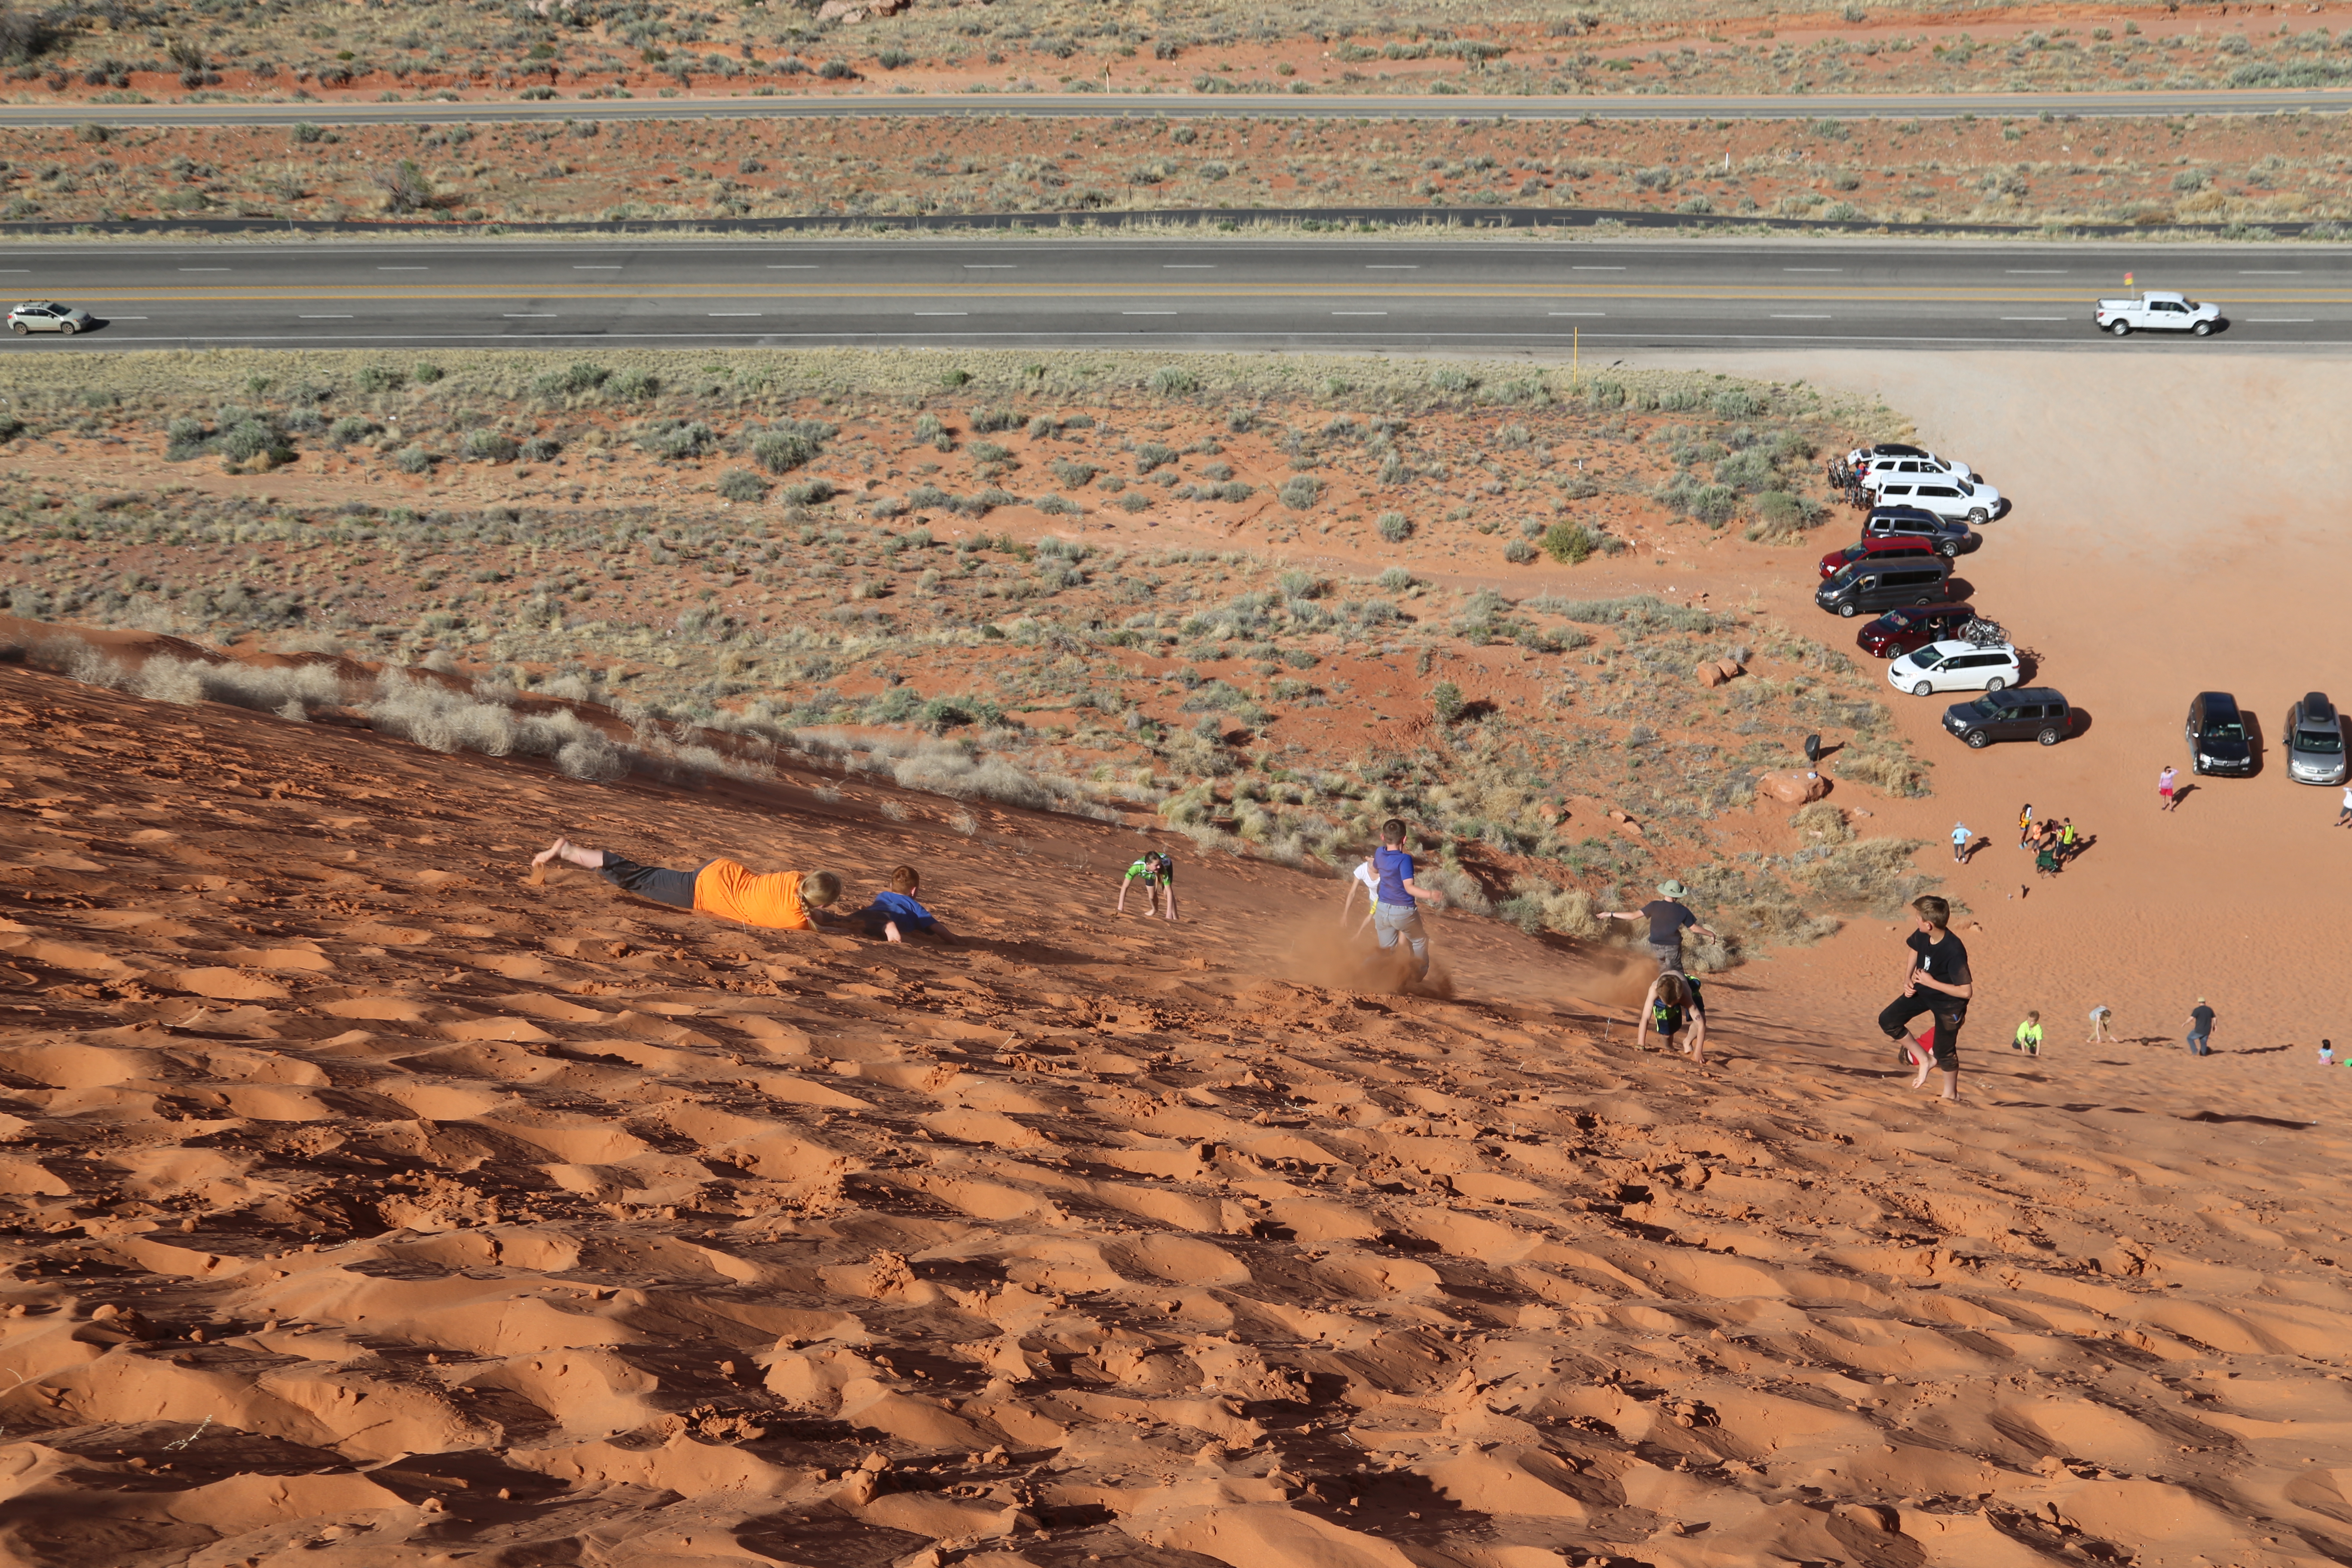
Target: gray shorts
(1391,921)
(1669,955)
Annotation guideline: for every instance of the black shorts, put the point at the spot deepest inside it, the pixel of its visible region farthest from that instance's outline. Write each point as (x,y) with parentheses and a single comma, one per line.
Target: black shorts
(662,887)
(1951,1014)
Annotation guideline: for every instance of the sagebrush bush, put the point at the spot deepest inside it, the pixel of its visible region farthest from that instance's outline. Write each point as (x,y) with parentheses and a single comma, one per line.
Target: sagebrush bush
(1395,527)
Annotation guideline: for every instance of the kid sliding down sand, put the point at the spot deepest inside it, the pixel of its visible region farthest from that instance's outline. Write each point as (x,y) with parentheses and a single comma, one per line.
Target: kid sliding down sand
(780,900)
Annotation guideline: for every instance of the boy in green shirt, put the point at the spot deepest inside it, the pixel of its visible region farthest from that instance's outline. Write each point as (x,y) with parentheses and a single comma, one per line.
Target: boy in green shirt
(2028,1037)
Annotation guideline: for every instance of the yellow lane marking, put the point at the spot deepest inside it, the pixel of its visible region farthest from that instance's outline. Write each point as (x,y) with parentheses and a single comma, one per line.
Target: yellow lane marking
(1862,295)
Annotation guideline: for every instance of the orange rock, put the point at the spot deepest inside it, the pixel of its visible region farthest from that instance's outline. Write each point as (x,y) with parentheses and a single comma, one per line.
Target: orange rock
(1794,789)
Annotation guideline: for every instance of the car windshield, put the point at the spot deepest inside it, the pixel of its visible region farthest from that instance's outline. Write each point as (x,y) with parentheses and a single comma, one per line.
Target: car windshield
(2225,730)
(1897,621)
(1843,575)
(1926,659)
(2326,740)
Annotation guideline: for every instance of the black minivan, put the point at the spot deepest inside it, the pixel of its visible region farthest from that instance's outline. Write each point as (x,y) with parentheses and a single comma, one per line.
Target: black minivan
(1870,587)
(2218,742)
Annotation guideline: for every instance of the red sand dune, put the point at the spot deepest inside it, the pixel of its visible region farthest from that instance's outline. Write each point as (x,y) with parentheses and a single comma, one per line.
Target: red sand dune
(366,1203)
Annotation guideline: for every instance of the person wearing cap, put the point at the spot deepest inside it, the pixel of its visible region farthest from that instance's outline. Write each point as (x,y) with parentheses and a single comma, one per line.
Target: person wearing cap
(2200,1029)
(1668,918)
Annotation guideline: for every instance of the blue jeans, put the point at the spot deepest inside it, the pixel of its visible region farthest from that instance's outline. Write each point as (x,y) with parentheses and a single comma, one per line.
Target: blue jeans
(2197,1045)
(1391,921)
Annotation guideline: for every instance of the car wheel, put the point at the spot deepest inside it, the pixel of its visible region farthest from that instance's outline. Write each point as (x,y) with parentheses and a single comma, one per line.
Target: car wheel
(1948,550)
(67,328)
(1925,688)
(1995,684)
(1979,515)
(2203,329)
(21,327)
(1977,740)
(1846,611)
(2050,736)
(2121,328)
(1923,599)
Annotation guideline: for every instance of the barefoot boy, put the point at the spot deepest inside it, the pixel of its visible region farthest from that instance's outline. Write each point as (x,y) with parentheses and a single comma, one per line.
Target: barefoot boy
(1935,980)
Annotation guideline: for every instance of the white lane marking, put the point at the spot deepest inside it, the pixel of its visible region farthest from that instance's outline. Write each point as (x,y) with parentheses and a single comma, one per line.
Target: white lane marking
(14,269)
(530,315)
(1812,270)
(1360,312)
(943,312)
(1188,266)
(1146,312)
(203,269)
(129,317)
(1393,267)
(1596,269)
(322,318)
(716,314)
(792,266)
(2284,320)
(402,269)
(2273,273)
(2034,271)
(990,266)
(596,267)
(1576,312)
(2034,318)
(1804,318)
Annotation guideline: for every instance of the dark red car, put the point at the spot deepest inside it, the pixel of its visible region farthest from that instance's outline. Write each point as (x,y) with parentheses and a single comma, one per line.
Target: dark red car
(1877,549)
(1898,632)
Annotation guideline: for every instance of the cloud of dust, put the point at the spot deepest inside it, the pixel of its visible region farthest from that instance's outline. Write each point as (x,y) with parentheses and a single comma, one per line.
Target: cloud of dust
(1332,955)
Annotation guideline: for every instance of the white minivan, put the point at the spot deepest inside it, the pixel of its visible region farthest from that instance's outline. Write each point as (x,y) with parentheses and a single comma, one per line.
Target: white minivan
(1948,496)
(1953,666)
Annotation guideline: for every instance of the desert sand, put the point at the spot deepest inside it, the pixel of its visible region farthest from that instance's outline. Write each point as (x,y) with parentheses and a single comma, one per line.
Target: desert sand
(369,1205)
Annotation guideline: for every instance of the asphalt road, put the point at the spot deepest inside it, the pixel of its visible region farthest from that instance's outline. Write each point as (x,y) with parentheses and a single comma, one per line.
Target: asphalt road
(1352,294)
(1828,106)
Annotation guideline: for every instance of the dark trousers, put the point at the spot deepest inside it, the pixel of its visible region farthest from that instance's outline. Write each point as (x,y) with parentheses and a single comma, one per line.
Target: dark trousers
(662,887)
(1951,1014)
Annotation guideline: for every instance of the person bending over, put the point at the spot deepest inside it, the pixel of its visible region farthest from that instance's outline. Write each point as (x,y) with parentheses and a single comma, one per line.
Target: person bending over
(1936,981)
(1673,1003)
(780,900)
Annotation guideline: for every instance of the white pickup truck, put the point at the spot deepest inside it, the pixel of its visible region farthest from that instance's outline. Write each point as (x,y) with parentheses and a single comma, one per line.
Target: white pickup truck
(2156,311)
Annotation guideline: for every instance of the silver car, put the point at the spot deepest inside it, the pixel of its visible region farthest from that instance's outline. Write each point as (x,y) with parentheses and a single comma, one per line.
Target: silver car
(47,316)
(2315,741)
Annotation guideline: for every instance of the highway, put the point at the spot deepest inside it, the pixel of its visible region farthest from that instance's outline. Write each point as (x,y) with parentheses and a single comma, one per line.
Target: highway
(1313,106)
(1484,296)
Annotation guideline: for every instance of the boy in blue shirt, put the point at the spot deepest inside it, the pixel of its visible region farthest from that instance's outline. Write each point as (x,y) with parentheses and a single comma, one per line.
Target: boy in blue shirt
(892,914)
(1396,901)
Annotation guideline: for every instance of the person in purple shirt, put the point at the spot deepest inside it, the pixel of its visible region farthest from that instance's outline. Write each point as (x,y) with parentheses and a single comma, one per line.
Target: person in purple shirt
(1396,900)
(892,914)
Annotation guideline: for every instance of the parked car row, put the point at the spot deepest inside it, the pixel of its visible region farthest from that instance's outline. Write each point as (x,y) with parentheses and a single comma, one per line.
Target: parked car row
(2221,738)
(1922,513)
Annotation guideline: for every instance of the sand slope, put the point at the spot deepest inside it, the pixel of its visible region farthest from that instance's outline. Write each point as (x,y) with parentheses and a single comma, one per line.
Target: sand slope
(365,1204)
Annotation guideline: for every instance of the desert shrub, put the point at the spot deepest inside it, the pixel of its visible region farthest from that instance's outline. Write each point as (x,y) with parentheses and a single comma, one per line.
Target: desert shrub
(1299,491)
(1445,701)
(430,715)
(1735,403)
(1894,772)
(677,439)
(492,446)
(1640,610)
(1536,905)
(1713,504)
(1174,381)
(1871,876)
(1604,394)
(350,427)
(1395,527)
(1519,553)
(635,385)
(1152,455)
(1822,823)
(988,421)
(169,680)
(1461,892)
(591,757)
(540,449)
(412,460)
(950,770)
(580,376)
(1568,542)
(1779,514)
(742,484)
(381,378)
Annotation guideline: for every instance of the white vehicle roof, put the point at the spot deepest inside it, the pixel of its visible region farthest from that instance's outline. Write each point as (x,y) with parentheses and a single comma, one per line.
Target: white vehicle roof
(2166,294)
(1945,648)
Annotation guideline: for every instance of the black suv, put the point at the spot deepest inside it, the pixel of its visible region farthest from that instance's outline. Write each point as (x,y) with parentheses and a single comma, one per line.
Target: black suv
(1949,539)
(2216,736)
(2026,713)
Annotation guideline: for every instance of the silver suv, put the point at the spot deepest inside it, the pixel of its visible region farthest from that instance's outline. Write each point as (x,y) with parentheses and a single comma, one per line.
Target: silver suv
(47,316)
(2315,741)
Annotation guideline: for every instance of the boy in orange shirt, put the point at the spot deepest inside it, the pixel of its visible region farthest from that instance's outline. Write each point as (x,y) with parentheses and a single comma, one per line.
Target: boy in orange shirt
(779,900)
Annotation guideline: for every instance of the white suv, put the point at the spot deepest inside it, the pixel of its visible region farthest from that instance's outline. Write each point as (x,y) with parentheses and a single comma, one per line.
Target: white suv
(1880,470)
(1953,666)
(1949,497)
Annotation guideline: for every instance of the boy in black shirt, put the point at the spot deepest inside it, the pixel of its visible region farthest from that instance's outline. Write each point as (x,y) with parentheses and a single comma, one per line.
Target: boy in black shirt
(1935,980)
